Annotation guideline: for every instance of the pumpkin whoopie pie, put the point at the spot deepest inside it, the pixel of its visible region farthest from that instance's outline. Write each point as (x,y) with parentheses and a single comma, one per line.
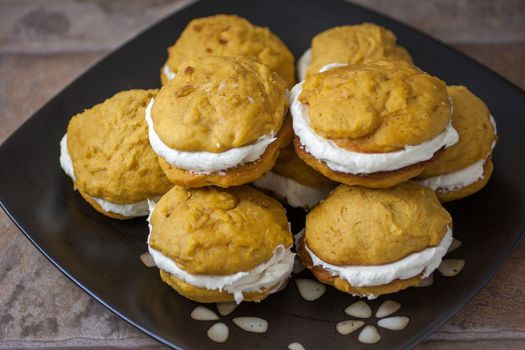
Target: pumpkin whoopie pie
(294,182)
(220,122)
(350,44)
(466,167)
(372,124)
(369,242)
(229,35)
(106,152)
(218,245)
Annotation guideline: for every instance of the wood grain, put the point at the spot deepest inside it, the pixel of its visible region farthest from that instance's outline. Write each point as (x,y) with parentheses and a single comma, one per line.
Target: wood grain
(76,26)
(459,21)
(44,46)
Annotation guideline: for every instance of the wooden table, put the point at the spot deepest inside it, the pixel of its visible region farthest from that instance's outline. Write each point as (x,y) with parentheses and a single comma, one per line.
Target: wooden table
(45,45)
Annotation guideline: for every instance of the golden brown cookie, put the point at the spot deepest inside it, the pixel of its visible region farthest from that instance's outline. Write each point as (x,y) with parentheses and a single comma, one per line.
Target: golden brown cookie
(354,44)
(372,124)
(219,103)
(381,106)
(230,35)
(108,150)
(465,167)
(209,233)
(218,108)
(357,228)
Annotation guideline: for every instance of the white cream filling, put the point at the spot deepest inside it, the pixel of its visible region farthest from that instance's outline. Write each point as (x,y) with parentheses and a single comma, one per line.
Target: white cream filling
(331,66)
(206,162)
(65,159)
(168,73)
(493,122)
(425,262)
(345,161)
(462,178)
(302,64)
(129,210)
(457,179)
(271,274)
(296,194)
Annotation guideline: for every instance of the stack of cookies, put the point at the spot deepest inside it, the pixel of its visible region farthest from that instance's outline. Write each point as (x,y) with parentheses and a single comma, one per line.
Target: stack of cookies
(184,154)
(367,141)
(399,141)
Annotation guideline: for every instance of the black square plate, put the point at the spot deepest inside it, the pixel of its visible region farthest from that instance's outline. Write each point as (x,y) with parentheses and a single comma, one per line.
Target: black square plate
(102,255)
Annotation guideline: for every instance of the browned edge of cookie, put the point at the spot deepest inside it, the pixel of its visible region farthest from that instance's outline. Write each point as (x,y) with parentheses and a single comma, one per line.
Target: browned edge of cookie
(98,208)
(469,190)
(203,295)
(382,179)
(235,176)
(370,291)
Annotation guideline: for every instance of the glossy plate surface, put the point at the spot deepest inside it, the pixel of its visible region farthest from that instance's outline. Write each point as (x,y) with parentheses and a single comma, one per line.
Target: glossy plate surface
(102,255)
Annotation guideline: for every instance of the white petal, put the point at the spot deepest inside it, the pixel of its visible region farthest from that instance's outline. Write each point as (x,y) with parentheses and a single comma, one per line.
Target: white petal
(226,308)
(369,335)
(387,308)
(147,259)
(296,346)
(309,289)
(395,323)
(219,332)
(426,282)
(359,309)
(456,243)
(451,267)
(201,313)
(251,324)
(348,326)
(298,266)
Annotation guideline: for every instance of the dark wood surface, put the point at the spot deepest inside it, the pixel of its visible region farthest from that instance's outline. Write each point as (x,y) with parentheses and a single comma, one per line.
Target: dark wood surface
(46,45)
